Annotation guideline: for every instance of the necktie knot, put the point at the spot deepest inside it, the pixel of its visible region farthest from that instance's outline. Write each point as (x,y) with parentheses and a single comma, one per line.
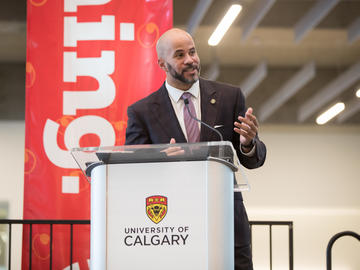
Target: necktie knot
(186,95)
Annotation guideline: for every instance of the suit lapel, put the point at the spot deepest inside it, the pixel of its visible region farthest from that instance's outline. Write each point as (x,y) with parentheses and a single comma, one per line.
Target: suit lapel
(165,114)
(210,100)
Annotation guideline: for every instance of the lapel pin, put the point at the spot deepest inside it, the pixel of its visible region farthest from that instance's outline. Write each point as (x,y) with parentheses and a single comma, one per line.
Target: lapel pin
(213,101)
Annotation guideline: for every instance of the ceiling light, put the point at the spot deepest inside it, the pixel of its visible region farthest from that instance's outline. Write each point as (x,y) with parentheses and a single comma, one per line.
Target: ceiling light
(330,113)
(224,25)
(358,93)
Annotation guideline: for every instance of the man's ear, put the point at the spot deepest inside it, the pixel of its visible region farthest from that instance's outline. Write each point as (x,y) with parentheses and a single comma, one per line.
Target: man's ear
(162,65)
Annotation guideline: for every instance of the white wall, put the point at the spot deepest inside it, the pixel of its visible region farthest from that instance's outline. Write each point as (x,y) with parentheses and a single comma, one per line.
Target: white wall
(12,144)
(311,177)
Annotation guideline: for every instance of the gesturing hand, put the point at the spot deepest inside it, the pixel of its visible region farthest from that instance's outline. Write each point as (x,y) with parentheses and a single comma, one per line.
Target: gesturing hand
(247,127)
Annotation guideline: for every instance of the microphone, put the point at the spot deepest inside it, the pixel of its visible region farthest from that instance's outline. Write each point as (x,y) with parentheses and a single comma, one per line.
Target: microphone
(186,101)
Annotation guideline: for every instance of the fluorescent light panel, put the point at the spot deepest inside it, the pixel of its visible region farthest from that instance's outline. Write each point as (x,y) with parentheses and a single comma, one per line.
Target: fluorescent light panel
(224,25)
(358,93)
(330,113)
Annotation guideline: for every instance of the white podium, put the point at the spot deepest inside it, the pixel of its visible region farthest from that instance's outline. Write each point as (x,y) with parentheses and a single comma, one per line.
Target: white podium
(160,207)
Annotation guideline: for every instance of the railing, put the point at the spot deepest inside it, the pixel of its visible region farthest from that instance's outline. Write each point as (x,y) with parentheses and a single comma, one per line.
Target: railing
(71,223)
(331,243)
(270,224)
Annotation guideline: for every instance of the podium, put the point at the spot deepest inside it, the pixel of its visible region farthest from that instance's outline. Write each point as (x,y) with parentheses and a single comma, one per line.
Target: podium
(162,206)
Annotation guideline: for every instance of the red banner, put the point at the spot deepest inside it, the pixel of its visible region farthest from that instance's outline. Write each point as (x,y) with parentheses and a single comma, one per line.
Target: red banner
(87,60)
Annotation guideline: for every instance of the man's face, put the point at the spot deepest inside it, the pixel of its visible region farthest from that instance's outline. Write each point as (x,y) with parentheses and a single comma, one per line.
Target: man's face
(182,63)
(187,75)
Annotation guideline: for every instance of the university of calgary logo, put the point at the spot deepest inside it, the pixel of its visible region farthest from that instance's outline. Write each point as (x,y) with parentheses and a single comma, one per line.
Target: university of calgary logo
(156,208)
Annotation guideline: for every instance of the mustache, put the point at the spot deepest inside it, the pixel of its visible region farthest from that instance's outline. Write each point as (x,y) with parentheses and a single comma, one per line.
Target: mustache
(191,67)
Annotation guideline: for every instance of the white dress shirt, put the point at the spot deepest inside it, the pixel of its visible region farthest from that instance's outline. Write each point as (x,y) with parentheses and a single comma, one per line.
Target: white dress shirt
(178,104)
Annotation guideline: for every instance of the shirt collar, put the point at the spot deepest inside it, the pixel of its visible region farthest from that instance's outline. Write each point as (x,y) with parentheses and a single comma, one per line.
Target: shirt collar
(176,93)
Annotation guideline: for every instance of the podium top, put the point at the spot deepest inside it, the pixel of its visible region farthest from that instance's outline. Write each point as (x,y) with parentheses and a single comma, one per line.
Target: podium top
(90,157)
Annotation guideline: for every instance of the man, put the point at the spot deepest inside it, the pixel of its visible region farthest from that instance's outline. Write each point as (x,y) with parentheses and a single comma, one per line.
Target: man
(161,118)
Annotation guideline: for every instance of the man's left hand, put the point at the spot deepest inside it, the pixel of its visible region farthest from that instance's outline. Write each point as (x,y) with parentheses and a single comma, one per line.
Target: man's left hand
(247,127)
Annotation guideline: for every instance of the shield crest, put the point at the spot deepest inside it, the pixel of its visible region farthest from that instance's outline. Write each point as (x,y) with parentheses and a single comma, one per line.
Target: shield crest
(156,208)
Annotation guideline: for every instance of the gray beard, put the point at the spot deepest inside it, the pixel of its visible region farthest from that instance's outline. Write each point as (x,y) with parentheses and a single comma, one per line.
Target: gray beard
(180,76)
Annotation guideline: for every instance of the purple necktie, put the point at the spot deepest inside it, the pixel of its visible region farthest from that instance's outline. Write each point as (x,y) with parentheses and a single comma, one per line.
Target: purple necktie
(191,126)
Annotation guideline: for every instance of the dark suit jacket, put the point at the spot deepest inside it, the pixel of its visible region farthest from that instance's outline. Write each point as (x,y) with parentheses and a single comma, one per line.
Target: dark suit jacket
(152,120)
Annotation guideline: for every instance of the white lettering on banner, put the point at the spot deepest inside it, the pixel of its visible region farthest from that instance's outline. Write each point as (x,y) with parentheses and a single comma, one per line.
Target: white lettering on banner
(57,156)
(74,131)
(74,266)
(98,68)
(89,124)
(127,31)
(70,184)
(71,5)
(74,31)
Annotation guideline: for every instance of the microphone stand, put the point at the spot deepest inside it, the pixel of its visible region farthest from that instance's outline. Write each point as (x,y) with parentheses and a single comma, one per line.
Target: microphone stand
(221,150)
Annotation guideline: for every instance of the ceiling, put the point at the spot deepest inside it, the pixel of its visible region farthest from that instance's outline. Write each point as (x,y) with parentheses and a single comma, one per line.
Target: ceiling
(292,58)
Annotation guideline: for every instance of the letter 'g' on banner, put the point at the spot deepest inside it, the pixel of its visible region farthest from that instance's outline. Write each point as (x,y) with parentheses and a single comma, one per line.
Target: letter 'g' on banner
(87,61)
